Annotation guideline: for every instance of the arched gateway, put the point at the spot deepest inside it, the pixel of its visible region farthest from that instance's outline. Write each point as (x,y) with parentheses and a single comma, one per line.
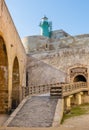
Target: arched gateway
(15,84)
(79,78)
(10,68)
(3,77)
(78,74)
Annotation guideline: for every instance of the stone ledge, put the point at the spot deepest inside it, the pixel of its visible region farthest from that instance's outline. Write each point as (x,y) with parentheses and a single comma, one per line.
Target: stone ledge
(58,113)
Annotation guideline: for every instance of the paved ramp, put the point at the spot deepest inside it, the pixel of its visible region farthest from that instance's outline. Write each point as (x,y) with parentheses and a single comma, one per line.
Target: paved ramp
(38,111)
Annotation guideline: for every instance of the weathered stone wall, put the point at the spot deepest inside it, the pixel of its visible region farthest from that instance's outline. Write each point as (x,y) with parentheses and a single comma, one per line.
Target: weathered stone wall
(35,43)
(57,34)
(61,54)
(40,73)
(14,48)
(66,58)
(59,40)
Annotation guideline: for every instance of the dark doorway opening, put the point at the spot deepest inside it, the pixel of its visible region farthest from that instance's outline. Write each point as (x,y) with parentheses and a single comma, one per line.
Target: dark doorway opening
(80,78)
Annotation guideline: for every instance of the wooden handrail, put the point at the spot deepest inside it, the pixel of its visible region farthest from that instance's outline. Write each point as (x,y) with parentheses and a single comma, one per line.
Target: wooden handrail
(74,87)
(66,88)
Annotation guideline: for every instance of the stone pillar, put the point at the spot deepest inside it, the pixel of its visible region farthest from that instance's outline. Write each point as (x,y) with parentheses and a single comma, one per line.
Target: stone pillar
(68,102)
(79,98)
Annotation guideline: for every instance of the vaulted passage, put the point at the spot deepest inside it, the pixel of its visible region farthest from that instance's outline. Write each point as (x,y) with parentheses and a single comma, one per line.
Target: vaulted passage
(3,77)
(80,78)
(15,84)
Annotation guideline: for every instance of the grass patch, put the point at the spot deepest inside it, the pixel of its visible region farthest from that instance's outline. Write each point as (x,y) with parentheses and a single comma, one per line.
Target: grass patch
(76,111)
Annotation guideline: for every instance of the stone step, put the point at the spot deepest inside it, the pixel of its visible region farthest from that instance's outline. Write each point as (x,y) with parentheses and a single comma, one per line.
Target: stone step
(56,92)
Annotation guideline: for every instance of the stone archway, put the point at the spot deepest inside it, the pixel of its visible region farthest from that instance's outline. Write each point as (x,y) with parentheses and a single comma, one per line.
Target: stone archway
(15,84)
(80,78)
(78,74)
(3,77)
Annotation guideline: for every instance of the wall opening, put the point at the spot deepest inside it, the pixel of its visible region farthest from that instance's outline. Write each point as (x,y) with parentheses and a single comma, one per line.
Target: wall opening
(26,79)
(80,78)
(15,84)
(3,77)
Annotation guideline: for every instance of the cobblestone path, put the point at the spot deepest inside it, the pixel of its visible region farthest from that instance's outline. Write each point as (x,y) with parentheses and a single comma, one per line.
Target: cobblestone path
(37,112)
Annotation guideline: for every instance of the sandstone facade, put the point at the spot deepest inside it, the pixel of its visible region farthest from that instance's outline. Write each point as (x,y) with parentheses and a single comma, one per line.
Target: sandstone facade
(65,54)
(12,63)
(40,73)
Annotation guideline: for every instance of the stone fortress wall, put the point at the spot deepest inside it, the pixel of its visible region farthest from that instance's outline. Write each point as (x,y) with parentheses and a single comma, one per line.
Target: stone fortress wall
(66,58)
(13,62)
(40,73)
(69,57)
(67,52)
(38,43)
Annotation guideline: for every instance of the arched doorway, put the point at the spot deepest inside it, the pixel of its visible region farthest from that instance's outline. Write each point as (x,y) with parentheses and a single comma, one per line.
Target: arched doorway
(3,77)
(80,78)
(15,84)
(78,74)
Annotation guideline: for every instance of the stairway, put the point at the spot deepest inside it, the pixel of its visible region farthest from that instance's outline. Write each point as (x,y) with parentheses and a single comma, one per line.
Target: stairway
(56,92)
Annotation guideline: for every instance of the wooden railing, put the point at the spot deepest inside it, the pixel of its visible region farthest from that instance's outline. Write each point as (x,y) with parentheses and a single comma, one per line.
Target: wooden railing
(57,89)
(41,89)
(68,89)
(26,91)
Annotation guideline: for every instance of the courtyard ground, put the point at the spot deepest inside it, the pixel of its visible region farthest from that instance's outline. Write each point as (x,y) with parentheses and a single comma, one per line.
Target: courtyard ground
(3,118)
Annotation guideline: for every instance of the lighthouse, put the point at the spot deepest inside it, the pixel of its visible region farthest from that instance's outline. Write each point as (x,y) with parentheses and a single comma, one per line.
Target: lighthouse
(46,27)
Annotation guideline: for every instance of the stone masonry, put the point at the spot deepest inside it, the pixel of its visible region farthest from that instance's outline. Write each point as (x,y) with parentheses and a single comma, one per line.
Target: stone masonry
(12,52)
(40,73)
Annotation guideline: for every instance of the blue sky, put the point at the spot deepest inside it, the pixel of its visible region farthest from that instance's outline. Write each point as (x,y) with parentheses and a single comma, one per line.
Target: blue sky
(69,15)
